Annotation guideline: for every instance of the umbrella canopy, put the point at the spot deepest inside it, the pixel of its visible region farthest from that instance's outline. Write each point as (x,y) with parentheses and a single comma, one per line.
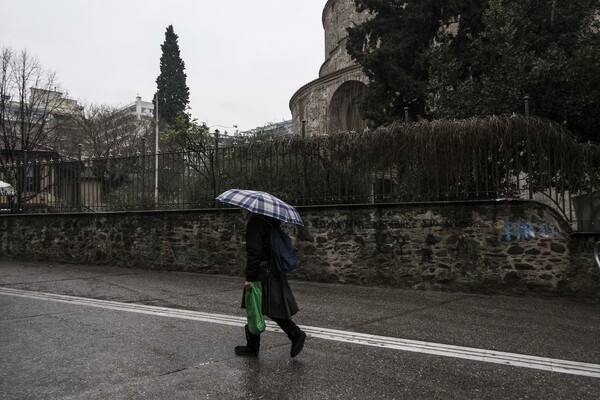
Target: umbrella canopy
(6,189)
(261,203)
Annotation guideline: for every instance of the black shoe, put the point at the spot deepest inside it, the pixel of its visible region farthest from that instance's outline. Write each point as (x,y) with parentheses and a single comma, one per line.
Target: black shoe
(251,349)
(245,351)
(298,344)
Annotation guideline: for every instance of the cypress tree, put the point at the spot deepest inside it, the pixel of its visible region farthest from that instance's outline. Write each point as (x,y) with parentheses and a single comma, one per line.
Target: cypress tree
(172,91)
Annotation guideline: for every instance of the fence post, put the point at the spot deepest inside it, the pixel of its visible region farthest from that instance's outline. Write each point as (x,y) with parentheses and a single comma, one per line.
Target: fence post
(23,182)
(143,172)
(215,168)
(529,161)
(79,172)
(406,116)
(303,163)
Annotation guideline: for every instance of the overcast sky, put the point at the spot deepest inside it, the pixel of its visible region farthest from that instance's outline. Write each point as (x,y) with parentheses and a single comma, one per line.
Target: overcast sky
(244,59)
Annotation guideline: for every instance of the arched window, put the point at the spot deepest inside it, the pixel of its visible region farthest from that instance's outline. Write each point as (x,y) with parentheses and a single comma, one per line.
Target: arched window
(344,114)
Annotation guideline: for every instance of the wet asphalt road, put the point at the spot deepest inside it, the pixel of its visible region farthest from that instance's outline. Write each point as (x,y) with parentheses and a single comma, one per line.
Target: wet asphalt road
(55,350)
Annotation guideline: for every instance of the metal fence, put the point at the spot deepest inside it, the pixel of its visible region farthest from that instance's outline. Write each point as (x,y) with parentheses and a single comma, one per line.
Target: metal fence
(477,159)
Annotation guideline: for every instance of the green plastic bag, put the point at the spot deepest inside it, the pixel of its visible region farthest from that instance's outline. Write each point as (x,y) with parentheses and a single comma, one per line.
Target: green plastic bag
(253,300)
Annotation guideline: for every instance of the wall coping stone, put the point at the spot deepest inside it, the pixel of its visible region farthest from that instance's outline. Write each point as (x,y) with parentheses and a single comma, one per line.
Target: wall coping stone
(565,225)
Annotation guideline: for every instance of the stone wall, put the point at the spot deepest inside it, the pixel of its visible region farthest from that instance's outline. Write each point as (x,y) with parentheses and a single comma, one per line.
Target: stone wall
(510,247)
(513,247)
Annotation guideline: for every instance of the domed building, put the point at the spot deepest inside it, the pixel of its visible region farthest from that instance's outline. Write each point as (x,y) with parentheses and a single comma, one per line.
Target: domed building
(330,103)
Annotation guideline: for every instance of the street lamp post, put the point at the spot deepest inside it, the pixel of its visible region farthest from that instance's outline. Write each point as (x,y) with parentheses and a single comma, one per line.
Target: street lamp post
(156,157)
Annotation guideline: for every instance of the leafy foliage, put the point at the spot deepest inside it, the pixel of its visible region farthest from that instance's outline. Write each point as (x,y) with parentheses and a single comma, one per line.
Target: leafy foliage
(547,50)
(393,45)
(201,148)
(464,58)
(475,158)
(468,159)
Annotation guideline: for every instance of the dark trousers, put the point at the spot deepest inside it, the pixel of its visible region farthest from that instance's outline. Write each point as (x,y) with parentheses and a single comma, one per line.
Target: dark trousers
(288,326)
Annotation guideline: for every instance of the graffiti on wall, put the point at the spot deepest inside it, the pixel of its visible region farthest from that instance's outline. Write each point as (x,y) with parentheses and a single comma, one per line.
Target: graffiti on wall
(524,230)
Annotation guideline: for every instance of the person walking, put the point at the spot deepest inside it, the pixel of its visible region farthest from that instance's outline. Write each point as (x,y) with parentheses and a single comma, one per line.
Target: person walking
(278,302)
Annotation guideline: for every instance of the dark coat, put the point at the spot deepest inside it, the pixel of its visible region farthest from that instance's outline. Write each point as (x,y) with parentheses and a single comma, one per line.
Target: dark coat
(278,299)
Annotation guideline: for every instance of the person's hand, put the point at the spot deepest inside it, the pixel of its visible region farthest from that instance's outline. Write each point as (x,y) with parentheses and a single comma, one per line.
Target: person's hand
(247,285)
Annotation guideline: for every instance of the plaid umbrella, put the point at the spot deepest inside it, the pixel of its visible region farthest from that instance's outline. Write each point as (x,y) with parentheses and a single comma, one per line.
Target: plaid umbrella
(6,189)
(261,203)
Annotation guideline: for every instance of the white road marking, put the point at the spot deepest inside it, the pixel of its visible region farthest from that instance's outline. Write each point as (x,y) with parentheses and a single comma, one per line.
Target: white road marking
(386,342)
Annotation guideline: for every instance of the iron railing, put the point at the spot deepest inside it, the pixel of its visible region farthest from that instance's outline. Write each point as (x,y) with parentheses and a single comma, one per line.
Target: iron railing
(416,162)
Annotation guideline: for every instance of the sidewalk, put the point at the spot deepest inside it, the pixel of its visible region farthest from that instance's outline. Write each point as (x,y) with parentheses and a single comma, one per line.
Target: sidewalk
(559,329)
(545,327)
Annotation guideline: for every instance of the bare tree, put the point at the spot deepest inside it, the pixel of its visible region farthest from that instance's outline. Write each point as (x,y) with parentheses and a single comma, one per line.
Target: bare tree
(32,109)
(30,104)
(104,131)
(111,140)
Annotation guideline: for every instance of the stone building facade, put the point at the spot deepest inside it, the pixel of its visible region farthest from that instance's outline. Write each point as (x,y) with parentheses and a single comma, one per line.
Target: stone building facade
(330,103)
